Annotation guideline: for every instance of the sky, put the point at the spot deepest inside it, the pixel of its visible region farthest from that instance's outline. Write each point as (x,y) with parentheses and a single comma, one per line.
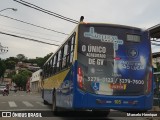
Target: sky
(139,13)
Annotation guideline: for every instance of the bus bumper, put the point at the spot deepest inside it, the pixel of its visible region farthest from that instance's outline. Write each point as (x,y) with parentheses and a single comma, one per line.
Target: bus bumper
(84,100)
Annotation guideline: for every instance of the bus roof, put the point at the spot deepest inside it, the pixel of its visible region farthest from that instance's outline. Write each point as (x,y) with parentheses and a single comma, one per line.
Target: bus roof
(112,25)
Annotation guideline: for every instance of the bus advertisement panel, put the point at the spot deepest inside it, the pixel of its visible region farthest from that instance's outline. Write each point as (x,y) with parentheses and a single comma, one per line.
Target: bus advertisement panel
(114,60)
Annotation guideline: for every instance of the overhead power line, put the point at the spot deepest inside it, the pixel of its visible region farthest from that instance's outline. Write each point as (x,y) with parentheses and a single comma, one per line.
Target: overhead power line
(30,39)
(33,24)
(36,32)
(29,35)
(46,11)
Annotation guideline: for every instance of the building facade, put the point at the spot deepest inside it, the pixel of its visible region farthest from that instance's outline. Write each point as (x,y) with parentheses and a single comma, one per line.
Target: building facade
(156,66)
(35,81)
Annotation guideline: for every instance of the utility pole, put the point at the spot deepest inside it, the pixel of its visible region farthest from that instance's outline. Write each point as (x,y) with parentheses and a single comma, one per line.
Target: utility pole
(2,48)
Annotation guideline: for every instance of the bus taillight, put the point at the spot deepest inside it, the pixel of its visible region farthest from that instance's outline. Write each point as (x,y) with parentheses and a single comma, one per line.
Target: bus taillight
(117,58)
(80,77)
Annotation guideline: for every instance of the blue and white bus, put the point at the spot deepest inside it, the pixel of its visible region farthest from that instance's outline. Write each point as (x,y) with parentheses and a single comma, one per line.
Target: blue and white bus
(100,67)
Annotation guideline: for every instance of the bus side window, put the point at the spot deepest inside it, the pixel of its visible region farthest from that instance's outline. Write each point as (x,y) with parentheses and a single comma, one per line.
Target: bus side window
(50,67)
(45,67)
(64,60)
(68,53)
(58,61)
(72,49)
(43,72)
(61,58)
(54,65)
(44,75)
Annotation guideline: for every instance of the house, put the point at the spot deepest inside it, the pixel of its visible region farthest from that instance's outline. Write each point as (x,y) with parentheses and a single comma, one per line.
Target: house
(29,66)
(36,80)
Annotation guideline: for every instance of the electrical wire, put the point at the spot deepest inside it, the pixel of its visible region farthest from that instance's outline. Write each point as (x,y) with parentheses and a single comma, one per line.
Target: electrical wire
(33,24)
(52,35)
(46,11)
(29,35)
(30,39)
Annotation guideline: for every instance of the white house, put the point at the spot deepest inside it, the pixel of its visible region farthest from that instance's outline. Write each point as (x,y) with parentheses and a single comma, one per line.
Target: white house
(36,81)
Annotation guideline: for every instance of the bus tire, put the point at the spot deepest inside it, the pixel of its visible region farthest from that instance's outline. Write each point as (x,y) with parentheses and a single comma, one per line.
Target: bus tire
(54,107)
(103,113)
(137,111)
(45,102)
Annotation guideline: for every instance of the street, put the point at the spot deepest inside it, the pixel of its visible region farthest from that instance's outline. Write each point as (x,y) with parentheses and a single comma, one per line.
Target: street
(22,101)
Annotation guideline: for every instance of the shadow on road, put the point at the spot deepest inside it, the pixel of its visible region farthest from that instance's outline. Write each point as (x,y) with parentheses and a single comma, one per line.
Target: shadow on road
(74,115)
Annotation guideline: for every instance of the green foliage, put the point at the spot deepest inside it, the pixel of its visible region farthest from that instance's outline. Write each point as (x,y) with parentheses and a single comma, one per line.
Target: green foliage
(11,62)
(10,65)
(40,61)
(11,74)
(47,56)
(21,57)
(12,59)
(2,68)
(21,78)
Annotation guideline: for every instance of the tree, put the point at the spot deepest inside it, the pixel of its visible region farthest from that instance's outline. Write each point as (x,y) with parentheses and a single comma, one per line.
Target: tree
(21,57)
(11,62)
(40,61)
(21,78)
(2,68)
(10,65)
(12,59)
(47,57)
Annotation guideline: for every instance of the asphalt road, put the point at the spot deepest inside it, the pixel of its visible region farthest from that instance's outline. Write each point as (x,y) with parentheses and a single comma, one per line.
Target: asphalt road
(21,102)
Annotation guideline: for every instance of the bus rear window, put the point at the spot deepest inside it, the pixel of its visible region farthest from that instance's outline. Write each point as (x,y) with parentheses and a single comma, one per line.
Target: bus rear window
(133,38)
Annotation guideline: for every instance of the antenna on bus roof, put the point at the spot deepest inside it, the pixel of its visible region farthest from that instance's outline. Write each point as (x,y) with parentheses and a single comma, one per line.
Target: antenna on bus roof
(82,18)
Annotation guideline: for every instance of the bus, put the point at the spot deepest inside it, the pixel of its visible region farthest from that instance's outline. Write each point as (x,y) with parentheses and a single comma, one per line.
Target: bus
(100,67)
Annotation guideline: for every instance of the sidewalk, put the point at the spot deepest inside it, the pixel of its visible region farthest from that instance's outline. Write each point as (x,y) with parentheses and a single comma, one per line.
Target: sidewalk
(156,103)
(155,108)
(35,93)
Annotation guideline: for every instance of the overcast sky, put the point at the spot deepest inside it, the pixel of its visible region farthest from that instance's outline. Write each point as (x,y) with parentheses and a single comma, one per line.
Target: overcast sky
(138,13)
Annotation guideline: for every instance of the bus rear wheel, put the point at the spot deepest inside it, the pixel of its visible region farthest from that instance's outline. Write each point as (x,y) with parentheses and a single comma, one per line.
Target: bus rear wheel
(54,107)
(45,102)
